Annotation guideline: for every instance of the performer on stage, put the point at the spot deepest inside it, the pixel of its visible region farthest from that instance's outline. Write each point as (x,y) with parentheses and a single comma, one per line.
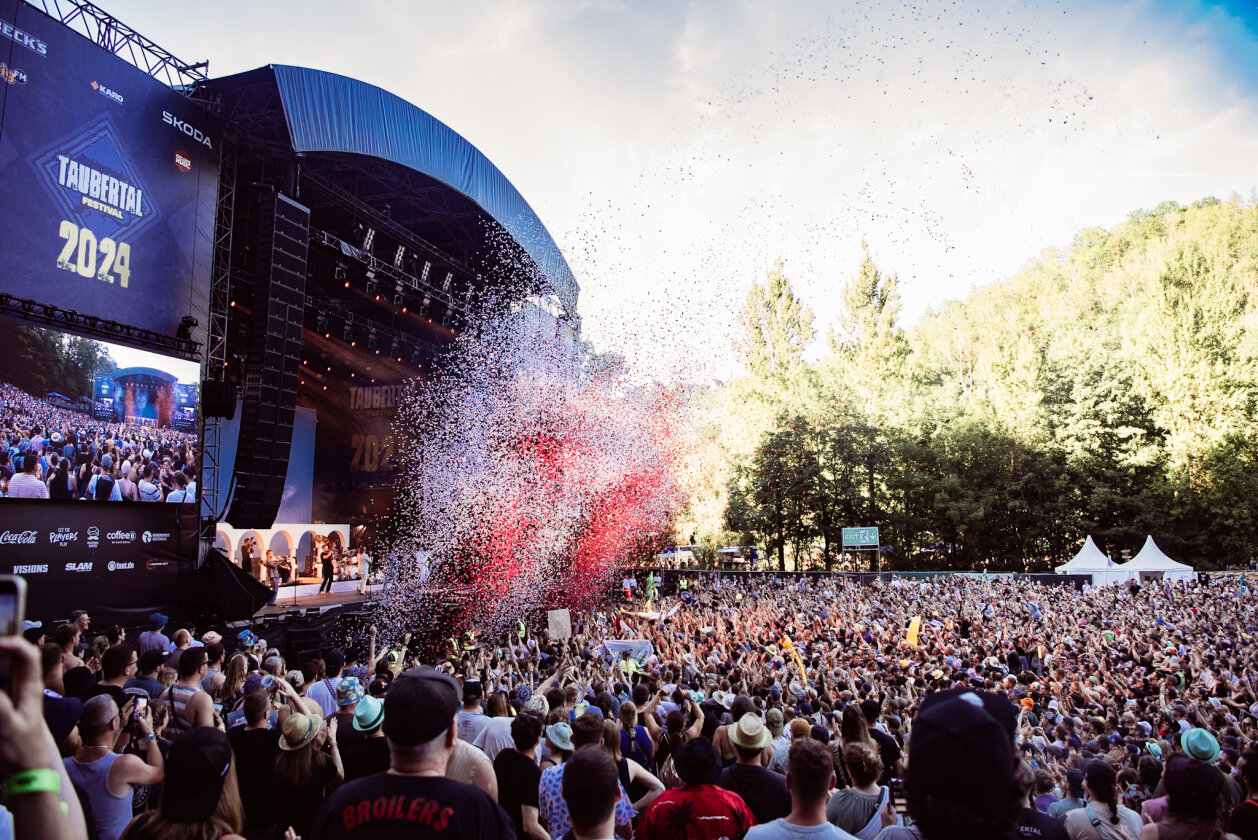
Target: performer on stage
(273,571)
(364,570)
(329,570)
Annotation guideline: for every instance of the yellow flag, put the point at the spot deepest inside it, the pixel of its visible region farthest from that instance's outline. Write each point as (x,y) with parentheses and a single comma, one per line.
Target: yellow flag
(914,627)
(786,643)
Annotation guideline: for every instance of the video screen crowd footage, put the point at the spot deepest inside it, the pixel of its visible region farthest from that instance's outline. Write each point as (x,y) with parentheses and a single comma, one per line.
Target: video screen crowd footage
(88,420)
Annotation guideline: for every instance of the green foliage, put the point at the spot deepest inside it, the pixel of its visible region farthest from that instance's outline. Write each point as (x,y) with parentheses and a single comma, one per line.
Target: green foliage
(1110,389)
(40,361)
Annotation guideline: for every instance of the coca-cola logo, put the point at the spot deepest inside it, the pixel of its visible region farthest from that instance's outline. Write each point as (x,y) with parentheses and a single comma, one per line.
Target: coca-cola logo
(18,538)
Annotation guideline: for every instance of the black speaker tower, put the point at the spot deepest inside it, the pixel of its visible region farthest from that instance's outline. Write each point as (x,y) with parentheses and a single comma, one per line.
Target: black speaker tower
(270,397)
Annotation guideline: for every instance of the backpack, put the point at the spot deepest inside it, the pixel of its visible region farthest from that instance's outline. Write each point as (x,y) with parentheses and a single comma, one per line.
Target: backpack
(104,487)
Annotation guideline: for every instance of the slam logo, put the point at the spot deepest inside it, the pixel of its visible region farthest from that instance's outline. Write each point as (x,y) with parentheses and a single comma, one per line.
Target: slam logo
(108,93)
(78,567)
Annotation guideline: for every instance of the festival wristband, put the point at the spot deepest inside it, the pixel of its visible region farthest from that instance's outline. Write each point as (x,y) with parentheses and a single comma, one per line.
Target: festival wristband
(32,781)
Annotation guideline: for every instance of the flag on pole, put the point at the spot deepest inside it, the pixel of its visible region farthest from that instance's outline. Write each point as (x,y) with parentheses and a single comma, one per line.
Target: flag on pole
(1167,584)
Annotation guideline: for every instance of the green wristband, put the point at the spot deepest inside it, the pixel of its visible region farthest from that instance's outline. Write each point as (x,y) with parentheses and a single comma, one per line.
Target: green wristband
(32,781)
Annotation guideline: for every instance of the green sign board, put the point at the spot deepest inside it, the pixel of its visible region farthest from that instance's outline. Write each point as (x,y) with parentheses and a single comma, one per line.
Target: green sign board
(860,537)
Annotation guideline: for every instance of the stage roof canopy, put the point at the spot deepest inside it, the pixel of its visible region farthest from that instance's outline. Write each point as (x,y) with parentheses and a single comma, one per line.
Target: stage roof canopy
(455,198)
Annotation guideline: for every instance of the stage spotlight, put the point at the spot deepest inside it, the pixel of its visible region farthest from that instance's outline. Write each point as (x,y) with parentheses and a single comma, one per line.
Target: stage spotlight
(338,274)
(398,299)
(368,239)
(399,256)
(393,349)
(423,309)
(371,338)
(321,323)
(415,357)
(347,334)
(372,287)
(445,286)
(424,275)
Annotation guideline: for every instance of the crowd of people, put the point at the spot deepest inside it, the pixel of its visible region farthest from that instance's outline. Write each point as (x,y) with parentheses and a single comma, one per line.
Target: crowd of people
(909,710)
(52,452)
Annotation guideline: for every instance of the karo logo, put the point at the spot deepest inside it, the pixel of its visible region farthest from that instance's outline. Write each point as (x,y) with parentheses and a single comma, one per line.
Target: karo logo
(78,567)
(155,536)
(31,569)
(183,161)
(107,93)
(18,538)
(93,537)
(115,566)
(62,537)
(121,537)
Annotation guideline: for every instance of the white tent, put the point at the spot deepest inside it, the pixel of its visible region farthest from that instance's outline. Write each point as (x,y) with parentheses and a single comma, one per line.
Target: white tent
(1153,563)
(1090,561)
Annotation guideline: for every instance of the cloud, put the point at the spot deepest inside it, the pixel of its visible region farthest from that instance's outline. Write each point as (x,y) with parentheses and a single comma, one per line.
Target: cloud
(674,150)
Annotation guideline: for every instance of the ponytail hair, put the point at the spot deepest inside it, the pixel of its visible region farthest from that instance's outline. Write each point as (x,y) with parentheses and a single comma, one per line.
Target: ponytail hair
(1103,782)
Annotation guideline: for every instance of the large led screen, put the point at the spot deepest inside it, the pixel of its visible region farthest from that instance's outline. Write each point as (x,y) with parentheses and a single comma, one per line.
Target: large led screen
(108,181)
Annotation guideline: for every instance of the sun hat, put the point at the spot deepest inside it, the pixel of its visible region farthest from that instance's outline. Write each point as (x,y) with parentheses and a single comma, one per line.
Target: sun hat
(1200,744)
(560,734)
(420,705)
(246,638)
(196,768)
(349,691)
(750,732)
(211,638)
(369,714)
(299,730)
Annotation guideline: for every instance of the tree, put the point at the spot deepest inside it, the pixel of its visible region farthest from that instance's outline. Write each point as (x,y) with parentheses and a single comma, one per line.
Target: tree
(775,329)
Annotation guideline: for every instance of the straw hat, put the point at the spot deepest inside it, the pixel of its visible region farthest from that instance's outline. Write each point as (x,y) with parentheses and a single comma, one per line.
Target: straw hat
(299,730)
(750,732)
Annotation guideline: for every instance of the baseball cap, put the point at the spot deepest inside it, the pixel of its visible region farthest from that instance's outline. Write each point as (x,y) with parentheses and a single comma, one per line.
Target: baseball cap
(157,621)
(472,690)
(962,750)
(774,720)
(196,767)
(420,705)
(62,714)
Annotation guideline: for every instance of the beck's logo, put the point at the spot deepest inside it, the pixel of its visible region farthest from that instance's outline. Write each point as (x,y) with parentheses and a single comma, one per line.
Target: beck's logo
(187,128)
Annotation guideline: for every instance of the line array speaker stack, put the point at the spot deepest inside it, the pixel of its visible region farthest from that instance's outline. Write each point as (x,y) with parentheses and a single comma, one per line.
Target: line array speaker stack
(270,397)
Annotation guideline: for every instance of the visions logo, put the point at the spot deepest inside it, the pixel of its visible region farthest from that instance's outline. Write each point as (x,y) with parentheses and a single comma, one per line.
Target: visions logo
(31,569)
(108,93)
(183,161)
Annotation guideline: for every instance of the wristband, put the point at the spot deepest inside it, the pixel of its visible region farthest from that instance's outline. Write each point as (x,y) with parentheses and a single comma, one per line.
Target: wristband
(149,737)
(32,781)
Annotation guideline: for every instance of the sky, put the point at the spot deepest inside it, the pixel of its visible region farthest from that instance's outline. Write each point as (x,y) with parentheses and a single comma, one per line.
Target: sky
(675,150)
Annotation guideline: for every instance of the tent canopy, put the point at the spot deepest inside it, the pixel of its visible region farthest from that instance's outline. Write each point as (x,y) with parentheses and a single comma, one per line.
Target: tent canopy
(1151,559)
(1090,561)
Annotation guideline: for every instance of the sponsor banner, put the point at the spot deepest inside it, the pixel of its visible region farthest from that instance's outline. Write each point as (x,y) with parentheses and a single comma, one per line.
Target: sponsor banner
(108,180)
(122,561)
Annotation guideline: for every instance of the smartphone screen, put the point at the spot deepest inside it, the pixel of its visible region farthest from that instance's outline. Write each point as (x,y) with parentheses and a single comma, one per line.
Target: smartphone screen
(141,704)
(898,798)
(12,611)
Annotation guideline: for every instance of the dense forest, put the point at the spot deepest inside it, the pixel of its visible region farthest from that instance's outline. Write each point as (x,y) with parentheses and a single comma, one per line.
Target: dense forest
(40,361)
(1108,389)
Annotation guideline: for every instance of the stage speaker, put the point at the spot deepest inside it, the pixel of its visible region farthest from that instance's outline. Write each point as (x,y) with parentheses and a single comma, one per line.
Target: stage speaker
(271,374)
(218,399)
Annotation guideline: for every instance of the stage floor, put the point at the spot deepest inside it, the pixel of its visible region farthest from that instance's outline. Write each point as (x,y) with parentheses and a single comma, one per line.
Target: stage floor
(287,602)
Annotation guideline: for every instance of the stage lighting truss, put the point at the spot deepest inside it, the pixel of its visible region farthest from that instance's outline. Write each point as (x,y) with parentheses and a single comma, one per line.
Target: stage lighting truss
(180,345)
(402,345)
(380,270)
(399,299)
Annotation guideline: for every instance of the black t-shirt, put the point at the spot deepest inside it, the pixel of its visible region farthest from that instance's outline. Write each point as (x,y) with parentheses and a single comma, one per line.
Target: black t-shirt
(888,751)
(296,806)
(763,790)
(255,751)
(386,806)
(1033,825)
(1244,821)
(366,758)
(518,780)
